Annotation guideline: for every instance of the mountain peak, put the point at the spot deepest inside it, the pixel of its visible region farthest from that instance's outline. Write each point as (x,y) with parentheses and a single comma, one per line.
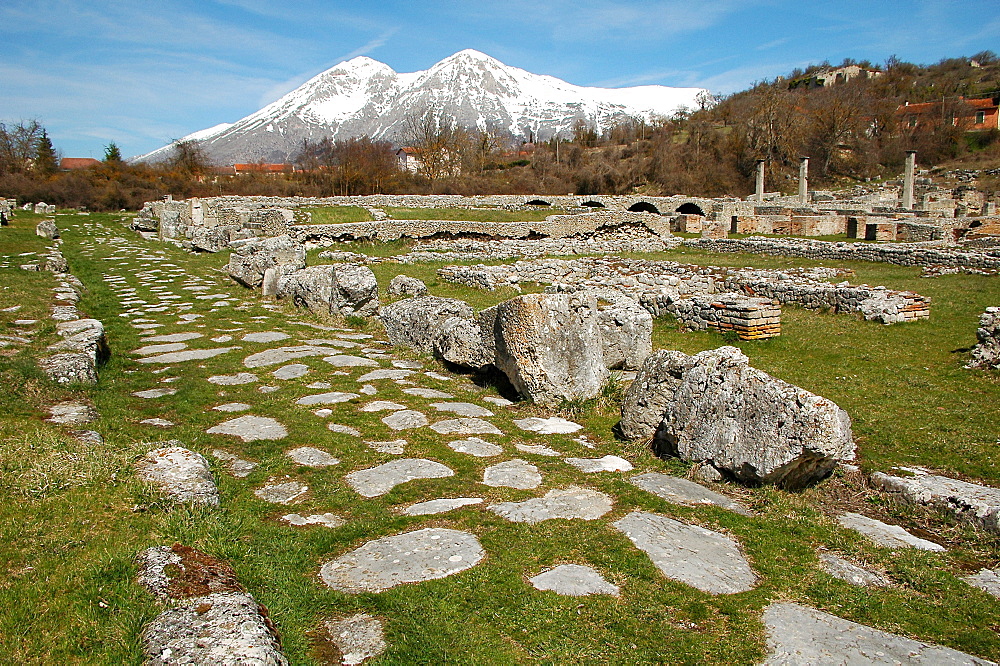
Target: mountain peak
(470,55)
(361,63)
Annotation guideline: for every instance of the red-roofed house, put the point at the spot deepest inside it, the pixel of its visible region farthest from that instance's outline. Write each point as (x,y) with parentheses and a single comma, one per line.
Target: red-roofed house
(407,159)
(260,167)
(973,115)
(75,163)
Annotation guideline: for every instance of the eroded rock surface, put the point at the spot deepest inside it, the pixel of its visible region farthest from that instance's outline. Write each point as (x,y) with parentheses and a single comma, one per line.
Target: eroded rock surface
(179,473)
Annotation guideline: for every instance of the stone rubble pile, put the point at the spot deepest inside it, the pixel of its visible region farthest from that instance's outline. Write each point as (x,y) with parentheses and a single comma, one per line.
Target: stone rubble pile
(986,353)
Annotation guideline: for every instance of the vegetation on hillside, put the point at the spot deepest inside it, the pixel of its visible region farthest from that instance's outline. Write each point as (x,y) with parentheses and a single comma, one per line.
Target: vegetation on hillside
(852,131)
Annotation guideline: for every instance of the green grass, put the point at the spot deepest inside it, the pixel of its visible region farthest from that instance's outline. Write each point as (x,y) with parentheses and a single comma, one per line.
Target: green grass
(338,214)
(473,214)
(72,517)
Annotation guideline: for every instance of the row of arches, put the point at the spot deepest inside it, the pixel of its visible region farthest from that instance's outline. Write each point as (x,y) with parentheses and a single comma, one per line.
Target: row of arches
(688,208)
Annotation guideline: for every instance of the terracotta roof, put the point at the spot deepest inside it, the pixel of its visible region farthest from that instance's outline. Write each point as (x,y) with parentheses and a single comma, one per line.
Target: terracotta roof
(407,150)
(263,168)
(73,163)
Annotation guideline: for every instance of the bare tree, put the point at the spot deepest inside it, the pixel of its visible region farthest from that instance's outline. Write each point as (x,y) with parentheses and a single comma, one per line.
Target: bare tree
(19,145)
(435,138)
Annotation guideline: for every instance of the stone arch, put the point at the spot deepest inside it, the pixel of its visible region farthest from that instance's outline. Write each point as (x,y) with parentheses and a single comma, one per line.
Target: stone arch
(690,208)
(592,204)
(643,207)
(537,202)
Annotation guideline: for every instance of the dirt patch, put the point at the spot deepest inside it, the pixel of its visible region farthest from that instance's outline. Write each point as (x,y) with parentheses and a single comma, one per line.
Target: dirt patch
(199,574)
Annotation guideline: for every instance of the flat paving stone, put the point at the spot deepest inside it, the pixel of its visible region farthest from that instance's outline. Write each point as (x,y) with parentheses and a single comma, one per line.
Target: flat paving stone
(268,389)
(379,480)
(222,338)
(293,371)
(312,457)
(515,473)
(847,571)
(283,355)
(412,557)
(174,337)
(605,464)
(154,393)
(348,361)
(682,491)
(160,423)
(550,426)
(179,473)
(802,635)
(188,355)
(160,349)
(382,406)
(368,389)
(343,429)
(438,376)
(538,450)
(987,580)
(265,336)
(883,534)
(282,493)
(232,407)
(573,580)
(407,365)
(967,501)
(396,447)
(331,398)
(237,466)
(569,503)
(358,637)
(499,402)
(323,519)
(385,373)
(319,385)
(462,408)
(406,419)
(436,506)
(428,393)
(71,412)
(465,426)
(474,446)
(706,560)
(250,428)
(233,380)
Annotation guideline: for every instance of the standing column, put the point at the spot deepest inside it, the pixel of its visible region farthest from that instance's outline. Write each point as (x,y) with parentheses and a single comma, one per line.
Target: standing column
(911,164)
(803,180)
(760,180)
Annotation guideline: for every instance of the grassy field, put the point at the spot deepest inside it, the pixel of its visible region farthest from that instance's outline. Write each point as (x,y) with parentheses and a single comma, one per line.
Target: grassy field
(73,516)
(338,214)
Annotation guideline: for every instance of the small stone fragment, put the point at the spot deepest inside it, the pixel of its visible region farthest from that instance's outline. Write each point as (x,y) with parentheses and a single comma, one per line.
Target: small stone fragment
(282,493)
(537,449)
(847,571)
(312,457)
(883,534)
(515,473)
(465,426)
(605,464)
(550,426)
(573,580)
(682,491)
(358,637)
(331,398)
(379,480)
(406,419)
(396,447)
(293,371)
(237,466)
(251,428)
(569,503)
(382,406)
(435,506)
(477,447)
(324,519)
(181,474)
(987,580)
(343,429)
(428,393)
(461,408)
(232,407)
(233,380)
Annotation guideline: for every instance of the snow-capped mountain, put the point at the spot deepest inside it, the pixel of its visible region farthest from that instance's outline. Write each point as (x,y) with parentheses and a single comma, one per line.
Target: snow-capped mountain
(366,97)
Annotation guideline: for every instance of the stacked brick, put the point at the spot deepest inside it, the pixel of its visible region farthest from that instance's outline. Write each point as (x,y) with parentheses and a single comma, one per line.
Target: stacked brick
(751,318)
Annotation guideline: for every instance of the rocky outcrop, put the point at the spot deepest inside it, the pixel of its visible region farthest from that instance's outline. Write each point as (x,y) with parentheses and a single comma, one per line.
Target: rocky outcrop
(549,346)
(714,409)
(986,354)
(251,258)
(344,289)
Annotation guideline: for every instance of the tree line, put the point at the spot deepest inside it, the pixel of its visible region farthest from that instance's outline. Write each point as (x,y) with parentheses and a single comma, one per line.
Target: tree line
(853,132)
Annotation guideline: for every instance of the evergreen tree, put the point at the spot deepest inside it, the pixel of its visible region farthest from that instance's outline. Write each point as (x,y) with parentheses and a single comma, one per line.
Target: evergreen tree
(46,160)
(112,153)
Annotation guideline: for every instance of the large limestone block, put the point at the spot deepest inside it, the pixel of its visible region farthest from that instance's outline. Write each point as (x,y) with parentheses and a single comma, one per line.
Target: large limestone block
(720,411)
(626,334)
(47,229)
(416,322)
(460,341)
(550,346)
(251,258)
(345,289)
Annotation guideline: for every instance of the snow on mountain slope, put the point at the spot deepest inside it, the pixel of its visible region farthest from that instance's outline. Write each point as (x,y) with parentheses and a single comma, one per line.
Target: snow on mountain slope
(366,97)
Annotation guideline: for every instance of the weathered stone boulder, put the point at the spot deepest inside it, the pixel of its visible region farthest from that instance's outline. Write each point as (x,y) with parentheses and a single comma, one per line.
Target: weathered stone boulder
(69,368)
(986,354)
(251,258)
(550,347)
(210,239)
(416,322)
(404,285)
(47,229)
(717,410)
(183,475)
(460,341)
(626,334)
(55,262)
(83,336)
(345,289)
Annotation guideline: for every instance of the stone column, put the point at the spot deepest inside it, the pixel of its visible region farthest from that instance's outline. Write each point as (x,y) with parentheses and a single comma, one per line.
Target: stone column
(911,163)
(803,180)
(760,181)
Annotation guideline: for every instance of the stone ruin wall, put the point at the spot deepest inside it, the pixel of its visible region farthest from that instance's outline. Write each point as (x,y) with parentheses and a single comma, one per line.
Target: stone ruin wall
(691,293)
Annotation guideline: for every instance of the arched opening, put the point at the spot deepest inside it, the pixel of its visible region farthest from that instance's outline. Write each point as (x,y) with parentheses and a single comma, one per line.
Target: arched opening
(643,207)
(592,204)
(690,209)
(537,202)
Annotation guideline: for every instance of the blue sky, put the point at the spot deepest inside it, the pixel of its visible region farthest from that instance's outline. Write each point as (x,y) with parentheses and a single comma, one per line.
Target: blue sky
(142,73)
